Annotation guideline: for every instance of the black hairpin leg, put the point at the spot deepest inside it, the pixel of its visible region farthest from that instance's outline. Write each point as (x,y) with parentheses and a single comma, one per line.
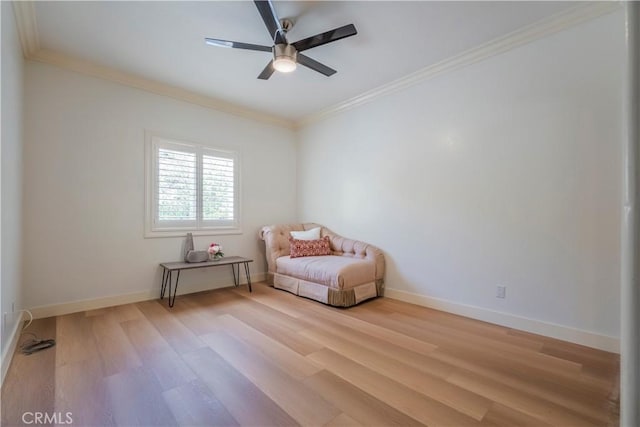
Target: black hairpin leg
(246,272)
(236,277)
(235,268)
(167,275)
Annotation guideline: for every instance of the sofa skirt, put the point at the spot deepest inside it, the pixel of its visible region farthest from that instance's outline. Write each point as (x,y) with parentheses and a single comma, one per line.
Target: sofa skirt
(327,295)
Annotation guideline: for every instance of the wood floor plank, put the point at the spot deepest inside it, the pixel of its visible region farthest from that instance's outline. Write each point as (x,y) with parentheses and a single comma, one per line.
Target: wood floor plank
(269,299)
(519,375)
(457,339)
(567,347)
(343,420)
(246,402)
(144,337)
(169,369)
(455,323)
(538,408)
(196,317)
(537,383)
(420,361)
(75,340)
(157,354)
(275,317)
(503,416)
(126,312)
(220,299)
(115,349)
(193,404)
(392,337)
(410,402)
(471,404)
(593,365)
(136,399)
(599,364)
(361,406)
(77,381)
(460,345)
(274,327)
(81,367)
(172,330)
(98,311)
(303,404)
(297,366)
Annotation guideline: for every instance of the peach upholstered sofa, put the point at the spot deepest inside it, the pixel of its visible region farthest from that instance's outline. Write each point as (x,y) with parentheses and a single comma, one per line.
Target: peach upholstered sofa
(351,273)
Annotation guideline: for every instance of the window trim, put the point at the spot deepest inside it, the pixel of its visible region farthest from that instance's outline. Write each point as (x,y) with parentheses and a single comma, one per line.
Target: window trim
(154,140)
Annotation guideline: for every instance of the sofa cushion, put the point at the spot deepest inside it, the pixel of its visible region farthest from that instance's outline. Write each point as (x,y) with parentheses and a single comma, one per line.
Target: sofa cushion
(337,272)
(313,234)
(300,248)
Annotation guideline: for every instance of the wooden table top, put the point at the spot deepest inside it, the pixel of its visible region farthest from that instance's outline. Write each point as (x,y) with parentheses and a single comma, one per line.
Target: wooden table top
(181,265)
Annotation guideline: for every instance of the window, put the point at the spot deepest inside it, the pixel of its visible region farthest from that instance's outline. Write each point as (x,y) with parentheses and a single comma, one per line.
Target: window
(190,188)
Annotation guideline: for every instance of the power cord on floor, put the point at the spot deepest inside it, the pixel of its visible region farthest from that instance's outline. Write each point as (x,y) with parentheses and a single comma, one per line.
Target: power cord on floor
(34,344)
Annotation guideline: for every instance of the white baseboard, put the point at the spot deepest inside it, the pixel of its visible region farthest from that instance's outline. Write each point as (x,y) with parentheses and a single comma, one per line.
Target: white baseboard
(51,310)
(565,333)
(7,354)
(109,301)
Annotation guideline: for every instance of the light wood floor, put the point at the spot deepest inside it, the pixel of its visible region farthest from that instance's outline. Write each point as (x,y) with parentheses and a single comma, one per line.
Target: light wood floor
(227,357)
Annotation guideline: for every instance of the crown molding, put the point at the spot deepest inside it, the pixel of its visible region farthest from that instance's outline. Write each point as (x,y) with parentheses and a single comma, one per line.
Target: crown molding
(26,24)
(28,32)
(107,73)
(25,15)
(527,34)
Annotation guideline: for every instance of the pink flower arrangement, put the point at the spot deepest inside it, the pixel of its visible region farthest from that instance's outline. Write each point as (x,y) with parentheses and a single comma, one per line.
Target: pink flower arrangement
(215,251)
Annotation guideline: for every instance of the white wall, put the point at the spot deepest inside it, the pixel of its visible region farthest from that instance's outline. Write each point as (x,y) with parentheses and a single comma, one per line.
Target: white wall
(84,186)
(506,172)
(11,172)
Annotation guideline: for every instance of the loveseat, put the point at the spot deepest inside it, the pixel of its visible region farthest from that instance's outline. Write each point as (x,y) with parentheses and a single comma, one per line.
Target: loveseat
(352,271)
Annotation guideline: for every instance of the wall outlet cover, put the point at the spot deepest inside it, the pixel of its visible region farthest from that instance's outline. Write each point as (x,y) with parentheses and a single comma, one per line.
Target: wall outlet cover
(501,292)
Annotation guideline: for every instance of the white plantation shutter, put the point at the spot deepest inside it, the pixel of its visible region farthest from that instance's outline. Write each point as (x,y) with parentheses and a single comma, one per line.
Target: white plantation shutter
(176,185)
(217,188)
(191,188)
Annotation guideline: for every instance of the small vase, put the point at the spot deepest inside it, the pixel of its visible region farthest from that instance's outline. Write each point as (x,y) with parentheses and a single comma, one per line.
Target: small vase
(215,257)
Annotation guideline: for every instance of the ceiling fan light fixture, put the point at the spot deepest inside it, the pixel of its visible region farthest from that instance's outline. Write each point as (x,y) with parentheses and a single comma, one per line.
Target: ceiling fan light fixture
(284,58)
(284,65)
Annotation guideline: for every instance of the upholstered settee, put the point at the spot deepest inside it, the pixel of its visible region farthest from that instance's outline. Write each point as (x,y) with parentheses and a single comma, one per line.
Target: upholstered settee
(351,273)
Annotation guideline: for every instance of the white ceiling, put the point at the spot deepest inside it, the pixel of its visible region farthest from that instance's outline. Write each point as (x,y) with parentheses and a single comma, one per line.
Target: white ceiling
(163,41)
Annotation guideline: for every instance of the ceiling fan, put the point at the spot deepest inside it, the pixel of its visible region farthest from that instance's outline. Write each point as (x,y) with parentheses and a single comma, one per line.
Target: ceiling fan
(287,55)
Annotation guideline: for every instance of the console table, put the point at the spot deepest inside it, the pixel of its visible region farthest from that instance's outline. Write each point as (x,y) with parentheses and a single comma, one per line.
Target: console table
(170,267)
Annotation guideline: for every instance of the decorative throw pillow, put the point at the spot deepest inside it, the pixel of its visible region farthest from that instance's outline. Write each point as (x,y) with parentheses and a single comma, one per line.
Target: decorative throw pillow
(312,234)
(300,248)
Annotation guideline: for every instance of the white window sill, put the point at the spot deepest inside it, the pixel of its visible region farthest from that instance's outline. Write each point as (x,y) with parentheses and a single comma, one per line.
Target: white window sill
(154,234)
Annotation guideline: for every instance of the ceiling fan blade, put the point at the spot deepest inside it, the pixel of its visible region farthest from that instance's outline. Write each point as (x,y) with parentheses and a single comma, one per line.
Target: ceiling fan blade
(315,65)
(266,73)
(268,14)
(326,37)
(237,45)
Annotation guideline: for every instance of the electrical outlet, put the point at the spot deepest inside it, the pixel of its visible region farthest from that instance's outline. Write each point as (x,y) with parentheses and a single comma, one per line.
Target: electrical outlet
(501,292)
(4,322)
(13,307)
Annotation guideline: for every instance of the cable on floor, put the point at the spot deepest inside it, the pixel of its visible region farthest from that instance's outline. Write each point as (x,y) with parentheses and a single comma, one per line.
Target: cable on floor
(34,344)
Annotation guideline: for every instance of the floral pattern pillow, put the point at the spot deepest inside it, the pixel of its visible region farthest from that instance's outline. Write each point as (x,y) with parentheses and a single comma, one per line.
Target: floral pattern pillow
(300,248)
